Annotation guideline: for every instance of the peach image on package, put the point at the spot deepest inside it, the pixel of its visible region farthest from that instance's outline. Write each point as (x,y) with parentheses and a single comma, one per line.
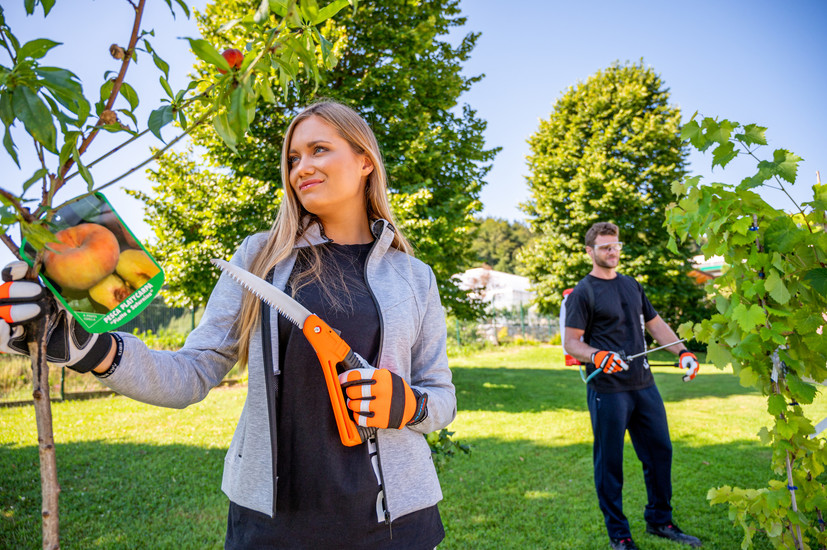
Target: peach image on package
(83,256)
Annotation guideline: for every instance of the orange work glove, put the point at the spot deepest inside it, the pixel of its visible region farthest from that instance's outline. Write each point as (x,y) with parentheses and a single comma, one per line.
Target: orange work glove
(609,361)
(379,398)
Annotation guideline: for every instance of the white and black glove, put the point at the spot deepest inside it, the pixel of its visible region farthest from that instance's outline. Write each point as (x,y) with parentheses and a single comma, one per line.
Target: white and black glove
(68,343)
(687,360)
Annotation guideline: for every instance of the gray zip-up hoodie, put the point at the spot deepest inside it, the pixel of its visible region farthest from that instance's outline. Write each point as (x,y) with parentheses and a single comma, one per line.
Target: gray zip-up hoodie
(412,345)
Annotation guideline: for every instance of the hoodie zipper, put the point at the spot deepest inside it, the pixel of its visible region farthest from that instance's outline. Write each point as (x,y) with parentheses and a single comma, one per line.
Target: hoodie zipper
(382,487)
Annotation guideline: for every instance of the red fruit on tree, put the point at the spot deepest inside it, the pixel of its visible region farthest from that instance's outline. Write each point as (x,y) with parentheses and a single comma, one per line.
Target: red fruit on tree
(234,57)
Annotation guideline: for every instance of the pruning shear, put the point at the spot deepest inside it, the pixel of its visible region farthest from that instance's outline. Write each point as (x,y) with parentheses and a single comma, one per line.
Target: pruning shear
(629,358)
(333,352)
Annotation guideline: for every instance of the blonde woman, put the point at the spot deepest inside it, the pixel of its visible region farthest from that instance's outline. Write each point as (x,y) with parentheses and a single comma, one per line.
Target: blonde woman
(290,481)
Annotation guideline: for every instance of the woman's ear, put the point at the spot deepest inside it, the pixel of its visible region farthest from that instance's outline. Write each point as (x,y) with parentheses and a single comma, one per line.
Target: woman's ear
(367,165)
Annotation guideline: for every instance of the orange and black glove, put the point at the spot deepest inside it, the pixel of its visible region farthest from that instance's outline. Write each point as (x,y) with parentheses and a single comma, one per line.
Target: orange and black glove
(609,362)
(68,343)
(687,360)
(379,398)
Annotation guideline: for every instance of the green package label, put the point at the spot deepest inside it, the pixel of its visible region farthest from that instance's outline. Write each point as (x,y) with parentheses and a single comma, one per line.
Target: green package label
(98,270)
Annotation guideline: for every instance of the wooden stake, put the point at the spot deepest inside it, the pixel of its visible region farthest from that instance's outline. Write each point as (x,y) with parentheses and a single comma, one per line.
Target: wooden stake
(49,486)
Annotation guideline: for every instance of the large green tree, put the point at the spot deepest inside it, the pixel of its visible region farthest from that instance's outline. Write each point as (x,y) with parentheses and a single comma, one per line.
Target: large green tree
(497,243)
(609,152)
(396,67)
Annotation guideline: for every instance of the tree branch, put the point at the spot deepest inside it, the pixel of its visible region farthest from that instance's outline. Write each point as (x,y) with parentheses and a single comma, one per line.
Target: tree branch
(11,245)
(141,165)
(15,202)
(116,88)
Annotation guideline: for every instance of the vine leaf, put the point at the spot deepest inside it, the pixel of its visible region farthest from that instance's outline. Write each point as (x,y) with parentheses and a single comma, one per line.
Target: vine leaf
(803,392)
(784,164)
(723,154)
(818,279)
(749,318)
(775,286)
(753,134)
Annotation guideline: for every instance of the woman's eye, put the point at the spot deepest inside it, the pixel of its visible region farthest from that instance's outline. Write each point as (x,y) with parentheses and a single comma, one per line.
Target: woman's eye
(319,149)
(292,160)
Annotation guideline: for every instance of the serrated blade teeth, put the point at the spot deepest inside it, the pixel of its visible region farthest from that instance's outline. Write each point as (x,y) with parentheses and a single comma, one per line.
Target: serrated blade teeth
(267,293)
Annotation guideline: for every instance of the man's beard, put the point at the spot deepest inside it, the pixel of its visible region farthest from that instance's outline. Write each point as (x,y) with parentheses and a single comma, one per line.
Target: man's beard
(604,263)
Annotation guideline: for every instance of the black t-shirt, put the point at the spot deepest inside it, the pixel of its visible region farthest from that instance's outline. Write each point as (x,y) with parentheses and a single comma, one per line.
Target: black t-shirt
(326,492)
(616,322)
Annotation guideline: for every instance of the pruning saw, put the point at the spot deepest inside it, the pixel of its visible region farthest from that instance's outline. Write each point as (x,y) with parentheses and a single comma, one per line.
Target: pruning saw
(333,352)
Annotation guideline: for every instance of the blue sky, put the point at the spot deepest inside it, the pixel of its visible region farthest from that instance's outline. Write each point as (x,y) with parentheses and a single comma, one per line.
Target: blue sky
(756,61)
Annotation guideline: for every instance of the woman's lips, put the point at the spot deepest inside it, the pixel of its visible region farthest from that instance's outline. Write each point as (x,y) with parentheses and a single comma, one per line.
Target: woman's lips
(309,183)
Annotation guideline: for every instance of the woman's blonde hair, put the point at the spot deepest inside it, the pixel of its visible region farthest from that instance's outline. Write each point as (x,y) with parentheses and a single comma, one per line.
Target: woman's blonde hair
(288,226)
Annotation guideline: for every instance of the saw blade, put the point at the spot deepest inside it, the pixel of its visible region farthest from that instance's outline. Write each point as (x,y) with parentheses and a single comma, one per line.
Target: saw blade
(267,293)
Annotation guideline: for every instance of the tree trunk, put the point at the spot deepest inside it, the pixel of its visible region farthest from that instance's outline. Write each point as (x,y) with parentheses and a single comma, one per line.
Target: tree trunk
(49,487)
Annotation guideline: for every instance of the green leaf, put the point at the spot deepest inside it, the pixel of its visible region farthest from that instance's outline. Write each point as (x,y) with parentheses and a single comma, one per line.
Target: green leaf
(802,391)
(263,12)
(279,7)
(11,148)
(723,154)
(718,132)
(69,143)
(161,64)
(267,91)
(166,87)
(753,134)
(36,234)
(749,318)
(237,115)
(818,280)
(35,116)
(128,92)
(84,172)
(692,131)
(224,131)
(672,245)
(718,355)
(748,377)
(786,164)
(47,6)
(31,181)
(207,52)
(329,11)
(6,111)
(36,48)
(159,118)
(776,404)
(775,286)
(782,234)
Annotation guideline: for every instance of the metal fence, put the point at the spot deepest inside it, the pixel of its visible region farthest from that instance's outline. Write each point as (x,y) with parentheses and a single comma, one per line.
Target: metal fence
(498,329)
(160,317)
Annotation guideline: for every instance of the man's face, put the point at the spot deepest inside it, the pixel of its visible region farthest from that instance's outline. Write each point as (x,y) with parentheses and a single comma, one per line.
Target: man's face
(606,251)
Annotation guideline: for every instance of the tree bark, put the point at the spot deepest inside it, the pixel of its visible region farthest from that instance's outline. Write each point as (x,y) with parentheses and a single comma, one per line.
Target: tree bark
(49,486)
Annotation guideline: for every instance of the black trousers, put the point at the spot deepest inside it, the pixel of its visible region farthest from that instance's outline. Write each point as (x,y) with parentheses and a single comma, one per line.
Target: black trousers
(643,414)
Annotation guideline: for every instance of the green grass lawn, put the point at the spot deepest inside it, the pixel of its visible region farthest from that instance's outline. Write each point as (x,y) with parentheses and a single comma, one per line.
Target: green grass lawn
(136,476)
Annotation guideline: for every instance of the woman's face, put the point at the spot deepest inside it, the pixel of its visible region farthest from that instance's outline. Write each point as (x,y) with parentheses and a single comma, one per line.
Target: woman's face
(327,176)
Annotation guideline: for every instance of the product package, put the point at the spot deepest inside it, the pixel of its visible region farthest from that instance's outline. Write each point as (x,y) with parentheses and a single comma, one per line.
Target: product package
(98,270)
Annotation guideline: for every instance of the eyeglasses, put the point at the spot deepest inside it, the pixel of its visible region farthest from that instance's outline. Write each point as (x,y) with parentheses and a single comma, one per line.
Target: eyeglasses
(618,246)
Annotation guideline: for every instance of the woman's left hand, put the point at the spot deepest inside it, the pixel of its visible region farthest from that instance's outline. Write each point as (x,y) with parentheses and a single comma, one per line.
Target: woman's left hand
(379,398)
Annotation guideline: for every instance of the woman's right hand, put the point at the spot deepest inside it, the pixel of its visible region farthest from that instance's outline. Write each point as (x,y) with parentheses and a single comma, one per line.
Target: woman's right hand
(68,343)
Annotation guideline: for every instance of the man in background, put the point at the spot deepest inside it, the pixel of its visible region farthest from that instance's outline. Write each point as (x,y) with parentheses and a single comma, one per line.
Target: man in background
(607,316)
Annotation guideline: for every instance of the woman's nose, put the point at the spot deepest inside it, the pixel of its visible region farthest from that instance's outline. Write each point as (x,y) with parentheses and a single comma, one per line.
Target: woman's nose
(303,166)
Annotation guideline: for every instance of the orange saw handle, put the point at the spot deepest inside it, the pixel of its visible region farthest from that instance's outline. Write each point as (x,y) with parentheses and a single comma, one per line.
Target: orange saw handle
(332,351)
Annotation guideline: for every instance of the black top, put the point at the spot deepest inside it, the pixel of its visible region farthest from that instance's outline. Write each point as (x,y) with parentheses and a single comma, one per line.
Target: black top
(326,492)
(616,322)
